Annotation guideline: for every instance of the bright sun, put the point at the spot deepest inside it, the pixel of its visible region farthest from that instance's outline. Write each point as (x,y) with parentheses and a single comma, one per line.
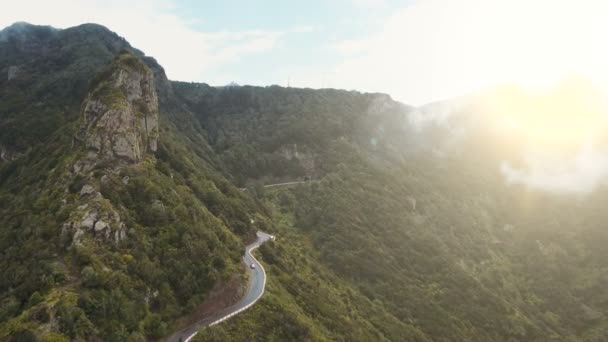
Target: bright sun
(539,52)
(566,115)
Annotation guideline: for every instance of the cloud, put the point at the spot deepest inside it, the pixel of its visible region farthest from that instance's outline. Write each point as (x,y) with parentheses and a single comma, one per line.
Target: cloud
(438,113)
(562,136)
(582,173)
(154,27)
(437,49)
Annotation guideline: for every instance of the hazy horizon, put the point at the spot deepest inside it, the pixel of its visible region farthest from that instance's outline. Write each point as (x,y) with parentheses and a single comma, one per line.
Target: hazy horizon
(137,204)
(416,51)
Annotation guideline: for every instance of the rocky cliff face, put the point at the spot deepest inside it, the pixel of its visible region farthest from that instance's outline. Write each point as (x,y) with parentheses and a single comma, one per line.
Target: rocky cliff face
(119,124)
(96,216)
(120,113)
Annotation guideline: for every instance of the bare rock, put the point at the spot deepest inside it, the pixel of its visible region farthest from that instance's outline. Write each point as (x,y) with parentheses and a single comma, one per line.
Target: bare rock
(120,234)
(96,218)
(120,114)
(158,206)
(304,158)
(87,190)
(88,220)
(83,166)
(77,238)
(100,225)
(12,72)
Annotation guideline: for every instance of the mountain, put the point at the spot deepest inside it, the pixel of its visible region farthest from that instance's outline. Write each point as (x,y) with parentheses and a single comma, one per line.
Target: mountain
(121,217)
(412,211)
(105,204)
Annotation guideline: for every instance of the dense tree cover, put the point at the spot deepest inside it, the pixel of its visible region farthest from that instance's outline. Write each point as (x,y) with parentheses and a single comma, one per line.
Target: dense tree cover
(185,223)
(304,299)
(405,234)
(280,133)
(471,260)
(420,222)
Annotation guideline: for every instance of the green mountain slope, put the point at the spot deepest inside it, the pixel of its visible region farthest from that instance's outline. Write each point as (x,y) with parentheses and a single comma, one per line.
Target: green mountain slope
(112,226)
(418,220)
(120,210)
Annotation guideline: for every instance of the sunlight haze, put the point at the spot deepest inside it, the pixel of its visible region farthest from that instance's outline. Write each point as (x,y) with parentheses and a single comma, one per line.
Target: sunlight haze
(320,170)
(547,58)
(416,51)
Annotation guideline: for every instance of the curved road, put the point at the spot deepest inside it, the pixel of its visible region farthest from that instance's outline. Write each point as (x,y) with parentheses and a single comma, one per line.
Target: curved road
(284,184)
(288,183)
(257,282)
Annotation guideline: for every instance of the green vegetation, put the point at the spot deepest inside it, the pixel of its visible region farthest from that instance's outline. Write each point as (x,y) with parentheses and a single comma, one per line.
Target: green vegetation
(437,242)
(184,228)
(403,235)
(460,266)
(304,299)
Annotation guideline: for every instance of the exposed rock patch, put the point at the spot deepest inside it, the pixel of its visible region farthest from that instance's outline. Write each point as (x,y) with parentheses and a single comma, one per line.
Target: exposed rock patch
(119,124)
(87,190)
(120,113)
(97,218)
(304,158)
(12,72)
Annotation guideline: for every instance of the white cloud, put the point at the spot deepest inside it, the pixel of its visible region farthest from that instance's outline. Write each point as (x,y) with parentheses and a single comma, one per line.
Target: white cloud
(429,50)
(581,173)
(152,26)
(437,49)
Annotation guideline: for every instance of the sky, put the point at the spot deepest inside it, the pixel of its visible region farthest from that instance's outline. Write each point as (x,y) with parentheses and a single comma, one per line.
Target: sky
(417,51)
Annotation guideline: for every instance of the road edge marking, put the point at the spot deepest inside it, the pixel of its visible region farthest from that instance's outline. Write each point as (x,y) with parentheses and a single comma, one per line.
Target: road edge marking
(220,320)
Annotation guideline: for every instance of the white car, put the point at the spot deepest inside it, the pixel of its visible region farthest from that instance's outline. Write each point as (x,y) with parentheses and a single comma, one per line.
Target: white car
(252,266)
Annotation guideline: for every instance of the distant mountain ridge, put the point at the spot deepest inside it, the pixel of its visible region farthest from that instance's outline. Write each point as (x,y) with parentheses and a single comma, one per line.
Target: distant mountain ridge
(121,214)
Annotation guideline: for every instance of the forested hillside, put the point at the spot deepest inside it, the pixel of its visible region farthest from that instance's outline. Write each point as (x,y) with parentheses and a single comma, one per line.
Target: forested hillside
(101,237)
(412,213)
(120,210)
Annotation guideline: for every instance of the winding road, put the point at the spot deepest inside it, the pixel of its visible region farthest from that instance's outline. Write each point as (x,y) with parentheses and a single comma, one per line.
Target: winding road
(257,282)
(284,184)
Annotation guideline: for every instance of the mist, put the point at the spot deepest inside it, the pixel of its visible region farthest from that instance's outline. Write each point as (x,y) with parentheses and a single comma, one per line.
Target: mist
(582,173)
(576,165)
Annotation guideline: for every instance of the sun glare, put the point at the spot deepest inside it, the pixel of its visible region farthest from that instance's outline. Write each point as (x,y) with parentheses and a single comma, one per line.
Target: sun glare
(567,115)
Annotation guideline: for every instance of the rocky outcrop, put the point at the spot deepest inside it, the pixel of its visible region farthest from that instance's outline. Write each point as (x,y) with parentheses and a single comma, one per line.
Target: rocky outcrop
(96,217)
(305,158)
(12,72)
(120,113)
(119,124)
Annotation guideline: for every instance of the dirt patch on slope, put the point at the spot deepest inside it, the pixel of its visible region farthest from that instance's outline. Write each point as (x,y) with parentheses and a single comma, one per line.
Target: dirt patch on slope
(223,295)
